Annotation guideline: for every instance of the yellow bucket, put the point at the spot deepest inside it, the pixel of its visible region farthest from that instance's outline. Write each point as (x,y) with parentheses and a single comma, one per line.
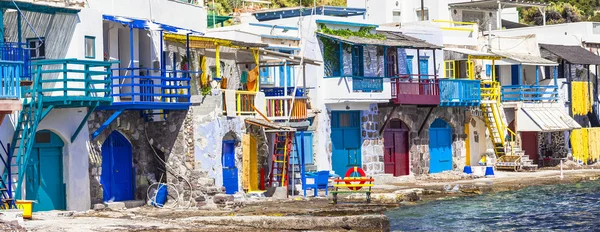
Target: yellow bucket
(27,207)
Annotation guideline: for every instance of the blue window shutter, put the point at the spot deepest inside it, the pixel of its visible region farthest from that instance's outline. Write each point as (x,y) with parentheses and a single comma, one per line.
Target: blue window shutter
(409,64)
(424,65)
(488,70)
(308,154)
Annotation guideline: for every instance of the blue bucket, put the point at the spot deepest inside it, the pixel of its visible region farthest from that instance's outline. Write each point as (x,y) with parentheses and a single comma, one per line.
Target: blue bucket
(468,170)
(161,196)
(489,171)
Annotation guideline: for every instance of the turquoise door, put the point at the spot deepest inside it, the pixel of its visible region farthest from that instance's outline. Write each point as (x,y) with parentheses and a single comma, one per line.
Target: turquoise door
(440,146)
(117,168)
(346,141)
(44,174)
(424,66)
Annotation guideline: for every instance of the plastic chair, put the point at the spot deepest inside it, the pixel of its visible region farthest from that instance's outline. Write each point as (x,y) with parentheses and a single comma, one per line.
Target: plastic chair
(321,181)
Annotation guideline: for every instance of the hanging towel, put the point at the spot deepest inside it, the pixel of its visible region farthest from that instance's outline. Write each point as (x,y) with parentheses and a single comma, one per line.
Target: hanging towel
(244,77)
(252,77)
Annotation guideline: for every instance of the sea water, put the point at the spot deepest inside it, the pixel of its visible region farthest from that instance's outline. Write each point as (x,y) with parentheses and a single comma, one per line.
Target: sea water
(562,207)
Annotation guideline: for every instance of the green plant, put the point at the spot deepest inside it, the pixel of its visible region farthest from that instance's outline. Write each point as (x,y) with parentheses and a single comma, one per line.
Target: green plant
(363,32)
(206,90)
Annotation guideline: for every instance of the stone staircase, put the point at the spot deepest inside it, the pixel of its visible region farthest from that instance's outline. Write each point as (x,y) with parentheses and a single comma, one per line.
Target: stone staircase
(515,159)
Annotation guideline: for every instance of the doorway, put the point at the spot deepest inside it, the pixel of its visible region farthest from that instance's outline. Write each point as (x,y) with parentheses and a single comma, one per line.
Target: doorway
(44,173)
(346,140)
(230,171)
(117,168)
(440,146)
(396,155)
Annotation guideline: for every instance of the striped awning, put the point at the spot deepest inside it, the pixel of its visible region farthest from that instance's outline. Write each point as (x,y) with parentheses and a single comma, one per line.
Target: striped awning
(545,119)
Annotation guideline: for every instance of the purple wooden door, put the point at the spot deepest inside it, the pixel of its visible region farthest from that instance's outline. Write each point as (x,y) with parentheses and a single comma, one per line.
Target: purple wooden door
(396,158)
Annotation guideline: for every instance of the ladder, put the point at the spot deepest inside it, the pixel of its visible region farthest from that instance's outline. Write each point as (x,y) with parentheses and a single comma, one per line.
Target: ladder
(24,138)
(494,118)
(6,197)
(280,160)
(295,167)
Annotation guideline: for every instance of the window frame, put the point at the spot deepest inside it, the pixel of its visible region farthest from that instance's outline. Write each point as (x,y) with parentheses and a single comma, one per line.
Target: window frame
(37,51)
(418,12)
(450,68)
(399,16)
(85,39)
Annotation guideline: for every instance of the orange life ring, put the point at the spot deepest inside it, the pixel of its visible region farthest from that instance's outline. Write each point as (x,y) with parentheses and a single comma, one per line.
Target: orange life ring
(349,173)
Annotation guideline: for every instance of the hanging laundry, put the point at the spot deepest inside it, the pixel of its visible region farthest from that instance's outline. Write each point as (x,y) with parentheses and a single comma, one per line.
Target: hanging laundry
(244,77)
(579,145)
(252,78)
(582,99)
(593,144)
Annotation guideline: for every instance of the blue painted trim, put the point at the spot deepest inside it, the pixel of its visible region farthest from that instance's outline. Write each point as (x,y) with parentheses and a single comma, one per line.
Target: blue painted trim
(321,10)
(520,74)
(555,76)
(106,123)
(280,37)
(146,106)
(283,48)
(273,26)
(341,59)
(145,24)
(537,75)
(350,24)
(41,8)
(2,26)
(93,38)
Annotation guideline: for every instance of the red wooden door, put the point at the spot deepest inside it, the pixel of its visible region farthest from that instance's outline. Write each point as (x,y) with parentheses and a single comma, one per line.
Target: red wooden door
(530,145)
(396,152)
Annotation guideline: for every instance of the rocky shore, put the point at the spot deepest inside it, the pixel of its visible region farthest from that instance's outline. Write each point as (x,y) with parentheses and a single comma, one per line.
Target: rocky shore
(296,213)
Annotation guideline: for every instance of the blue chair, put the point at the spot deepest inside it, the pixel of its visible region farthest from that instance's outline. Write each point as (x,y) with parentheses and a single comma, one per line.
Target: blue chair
(321,181)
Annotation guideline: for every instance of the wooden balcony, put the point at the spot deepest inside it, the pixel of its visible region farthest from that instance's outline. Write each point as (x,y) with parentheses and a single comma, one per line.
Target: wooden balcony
(278,108)
(71,83)
(242,103)
(529,93)
(460,92)
(413,91)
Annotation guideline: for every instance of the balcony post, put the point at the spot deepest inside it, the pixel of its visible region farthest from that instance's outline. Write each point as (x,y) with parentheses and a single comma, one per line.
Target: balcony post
(385,74)
(569,84)
(537,77)
(341,56)
(494,70)
(2,26)
(555,76)
(589,82)
(419,65)
(19,29)
(131,63)
(520,74)
(434,65)
(162,67)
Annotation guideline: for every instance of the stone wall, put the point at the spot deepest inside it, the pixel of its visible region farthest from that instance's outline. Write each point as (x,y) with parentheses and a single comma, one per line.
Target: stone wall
(372,143)
(170,140)
(414,117)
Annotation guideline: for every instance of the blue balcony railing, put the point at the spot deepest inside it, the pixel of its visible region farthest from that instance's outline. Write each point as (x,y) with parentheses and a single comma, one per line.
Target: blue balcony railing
(10,72)
(10,51)
(456,92)
(281,91)
(367,84)
(153,87)
(529,93)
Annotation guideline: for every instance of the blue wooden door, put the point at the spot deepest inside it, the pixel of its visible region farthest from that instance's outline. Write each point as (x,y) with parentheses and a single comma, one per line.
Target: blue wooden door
(514,74)
(440,146)
(44,173)
(117,168)
(230,172)
(346,141)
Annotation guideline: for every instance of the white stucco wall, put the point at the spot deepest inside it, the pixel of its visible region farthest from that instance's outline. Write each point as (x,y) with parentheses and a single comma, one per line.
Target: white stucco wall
(75,155)
(168,12)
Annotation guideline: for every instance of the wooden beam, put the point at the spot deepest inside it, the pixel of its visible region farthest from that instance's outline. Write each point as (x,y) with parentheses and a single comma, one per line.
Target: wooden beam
(425,121)
(260,113)
(389,117)
(82,123)
(106,123)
